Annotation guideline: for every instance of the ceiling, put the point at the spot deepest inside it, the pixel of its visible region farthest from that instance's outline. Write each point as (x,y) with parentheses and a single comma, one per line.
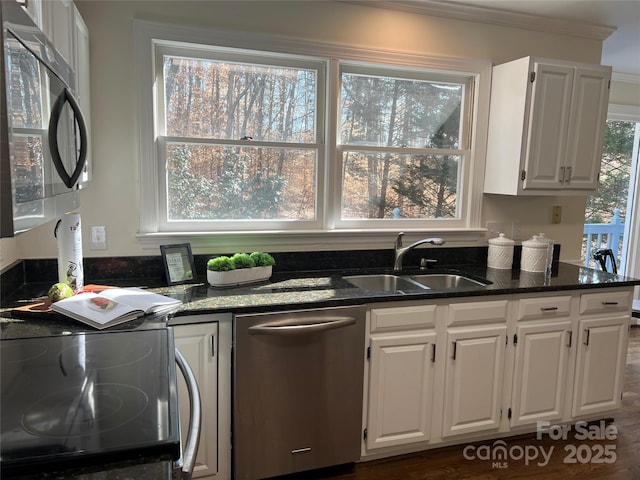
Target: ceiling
(621,49)
(615,22)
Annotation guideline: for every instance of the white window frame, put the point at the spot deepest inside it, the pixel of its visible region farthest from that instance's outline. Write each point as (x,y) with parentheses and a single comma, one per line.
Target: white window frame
(464,151)
(232,55)
(465,231)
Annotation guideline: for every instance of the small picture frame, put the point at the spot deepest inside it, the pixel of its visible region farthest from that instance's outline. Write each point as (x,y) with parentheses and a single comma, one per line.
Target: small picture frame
(178,263)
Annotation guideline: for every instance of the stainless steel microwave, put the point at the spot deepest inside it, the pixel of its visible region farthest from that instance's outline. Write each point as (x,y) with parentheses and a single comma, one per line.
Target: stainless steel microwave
(44,139)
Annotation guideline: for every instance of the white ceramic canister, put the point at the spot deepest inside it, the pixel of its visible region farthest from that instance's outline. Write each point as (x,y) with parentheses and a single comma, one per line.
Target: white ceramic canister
(500,254)
(534,255)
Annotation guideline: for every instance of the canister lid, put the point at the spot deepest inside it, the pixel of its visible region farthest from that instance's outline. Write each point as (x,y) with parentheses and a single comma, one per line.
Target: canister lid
(501,239)
(536,242)
(544,238)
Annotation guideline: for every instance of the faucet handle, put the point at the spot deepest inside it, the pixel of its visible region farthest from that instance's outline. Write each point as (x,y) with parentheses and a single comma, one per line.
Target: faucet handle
(425,262)
(398,242)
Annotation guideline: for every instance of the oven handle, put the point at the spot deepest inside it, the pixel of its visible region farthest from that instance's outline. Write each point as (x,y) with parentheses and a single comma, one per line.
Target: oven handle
(195,419)
(56,111)
(299,326)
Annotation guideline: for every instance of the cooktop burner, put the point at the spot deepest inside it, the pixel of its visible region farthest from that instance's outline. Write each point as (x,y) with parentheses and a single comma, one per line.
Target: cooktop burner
(71,399)
(72,412)
(98,353)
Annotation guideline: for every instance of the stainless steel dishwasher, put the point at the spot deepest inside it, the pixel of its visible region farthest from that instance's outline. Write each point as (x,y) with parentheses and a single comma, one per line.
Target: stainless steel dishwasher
(297,390)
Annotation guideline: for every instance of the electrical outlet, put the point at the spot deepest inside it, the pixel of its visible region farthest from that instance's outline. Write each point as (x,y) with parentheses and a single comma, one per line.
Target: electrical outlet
(556,215)
(98,237)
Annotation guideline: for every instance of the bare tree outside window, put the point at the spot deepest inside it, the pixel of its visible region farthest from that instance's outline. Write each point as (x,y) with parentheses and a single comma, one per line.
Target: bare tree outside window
(256,140)
(402,147)
(231,105)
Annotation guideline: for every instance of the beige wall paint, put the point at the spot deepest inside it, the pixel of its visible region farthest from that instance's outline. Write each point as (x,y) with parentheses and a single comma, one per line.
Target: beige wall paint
(113,197)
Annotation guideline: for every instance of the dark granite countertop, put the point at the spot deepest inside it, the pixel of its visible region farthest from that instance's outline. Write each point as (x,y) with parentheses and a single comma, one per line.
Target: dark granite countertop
(313,290)
(288,291)
(297,290)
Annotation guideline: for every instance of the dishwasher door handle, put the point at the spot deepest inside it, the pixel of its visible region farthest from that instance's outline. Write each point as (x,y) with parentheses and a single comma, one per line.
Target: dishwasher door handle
(301,326)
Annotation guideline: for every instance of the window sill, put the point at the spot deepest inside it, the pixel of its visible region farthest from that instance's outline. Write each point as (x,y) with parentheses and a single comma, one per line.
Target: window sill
(280,241)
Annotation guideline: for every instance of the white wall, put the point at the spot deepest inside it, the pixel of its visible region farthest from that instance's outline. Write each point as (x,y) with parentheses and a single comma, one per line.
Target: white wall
(113,197)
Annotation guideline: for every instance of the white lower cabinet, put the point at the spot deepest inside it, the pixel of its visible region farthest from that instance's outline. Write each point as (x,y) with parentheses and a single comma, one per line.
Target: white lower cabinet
(602,335)
(473,379)
(542,350)
(602,350)
(539,389)
(206,346)
(453,372)
(400,389)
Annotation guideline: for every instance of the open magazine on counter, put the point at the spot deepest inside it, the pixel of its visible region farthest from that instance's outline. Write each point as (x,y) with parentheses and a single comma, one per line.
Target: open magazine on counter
(113,306)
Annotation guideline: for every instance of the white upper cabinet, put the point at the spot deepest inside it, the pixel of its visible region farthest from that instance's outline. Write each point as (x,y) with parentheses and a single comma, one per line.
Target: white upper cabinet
(58,24)
(546,127)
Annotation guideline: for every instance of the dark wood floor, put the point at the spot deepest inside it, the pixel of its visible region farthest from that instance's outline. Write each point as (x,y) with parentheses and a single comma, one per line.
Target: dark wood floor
(450,464)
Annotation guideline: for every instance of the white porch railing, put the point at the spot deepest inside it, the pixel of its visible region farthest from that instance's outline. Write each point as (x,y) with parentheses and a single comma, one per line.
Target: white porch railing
(603,235)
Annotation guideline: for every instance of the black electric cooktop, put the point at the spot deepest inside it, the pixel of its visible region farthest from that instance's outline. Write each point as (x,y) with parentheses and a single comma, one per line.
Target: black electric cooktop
(87,398)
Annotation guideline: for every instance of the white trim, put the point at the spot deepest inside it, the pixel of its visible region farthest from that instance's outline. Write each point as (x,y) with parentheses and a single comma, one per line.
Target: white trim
(319,240)
(494,16)
(625,77)
(146,34)
(623,113)
(631,238)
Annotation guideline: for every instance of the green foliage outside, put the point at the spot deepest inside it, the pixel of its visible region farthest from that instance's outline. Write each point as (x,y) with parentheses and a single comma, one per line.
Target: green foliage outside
(613,187)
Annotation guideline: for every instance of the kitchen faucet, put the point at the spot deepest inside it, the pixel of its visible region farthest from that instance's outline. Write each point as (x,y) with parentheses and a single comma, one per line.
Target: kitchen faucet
(399,250)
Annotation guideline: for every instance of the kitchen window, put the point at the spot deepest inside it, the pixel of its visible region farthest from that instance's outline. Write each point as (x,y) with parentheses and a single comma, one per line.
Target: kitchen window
(239,138)
(314,138)
(403,143)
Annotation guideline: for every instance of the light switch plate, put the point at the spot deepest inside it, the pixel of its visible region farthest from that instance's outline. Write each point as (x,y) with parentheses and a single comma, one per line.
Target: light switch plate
(556,215)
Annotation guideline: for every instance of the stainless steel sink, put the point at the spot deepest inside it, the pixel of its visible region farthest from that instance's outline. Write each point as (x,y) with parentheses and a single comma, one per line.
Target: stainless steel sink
(385,283)
(447,280)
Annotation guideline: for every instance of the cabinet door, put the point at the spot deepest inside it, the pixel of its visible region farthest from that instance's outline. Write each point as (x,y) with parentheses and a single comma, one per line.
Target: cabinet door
(58,25)
(198,344)
(473,376)
(400,389)
(586,127)
(549,112)
(540,371)
(601,356)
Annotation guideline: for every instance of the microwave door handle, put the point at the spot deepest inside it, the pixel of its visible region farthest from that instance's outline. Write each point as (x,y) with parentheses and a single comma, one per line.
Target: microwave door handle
(68,179)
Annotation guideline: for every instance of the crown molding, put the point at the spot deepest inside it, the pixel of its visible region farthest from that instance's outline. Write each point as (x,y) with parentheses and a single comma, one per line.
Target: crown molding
(476,13)
(625,77)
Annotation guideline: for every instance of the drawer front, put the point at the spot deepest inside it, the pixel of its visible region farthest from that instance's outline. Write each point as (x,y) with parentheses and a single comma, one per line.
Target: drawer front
(544,307)
(403,318)
(605,301)
(477,312)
